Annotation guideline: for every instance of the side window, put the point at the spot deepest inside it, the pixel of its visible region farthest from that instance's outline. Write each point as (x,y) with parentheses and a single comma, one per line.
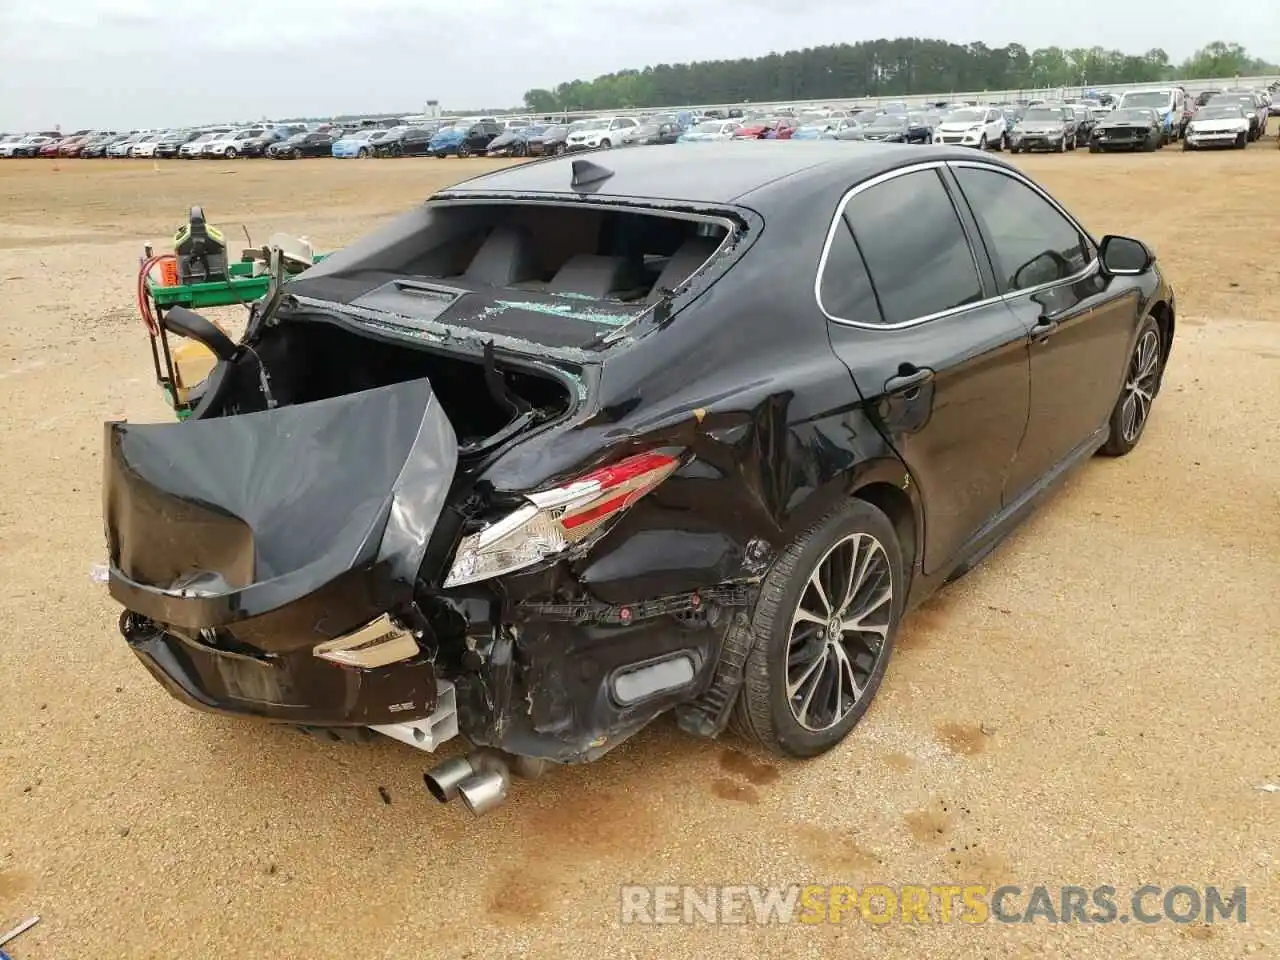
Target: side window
(845,290)
(915,248)
(1031,242)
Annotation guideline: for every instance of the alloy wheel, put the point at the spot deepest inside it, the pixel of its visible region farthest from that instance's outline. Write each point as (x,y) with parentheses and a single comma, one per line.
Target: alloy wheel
(838,631)
(1140,387)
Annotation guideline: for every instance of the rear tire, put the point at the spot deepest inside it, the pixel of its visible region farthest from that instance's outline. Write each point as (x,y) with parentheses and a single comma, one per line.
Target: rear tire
(804,691)
(1142,374)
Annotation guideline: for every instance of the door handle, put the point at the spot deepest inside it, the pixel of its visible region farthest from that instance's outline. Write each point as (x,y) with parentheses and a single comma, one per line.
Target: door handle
(913,379)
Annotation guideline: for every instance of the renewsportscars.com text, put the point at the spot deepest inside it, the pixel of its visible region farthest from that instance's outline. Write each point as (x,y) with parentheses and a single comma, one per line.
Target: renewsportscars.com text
(929,903)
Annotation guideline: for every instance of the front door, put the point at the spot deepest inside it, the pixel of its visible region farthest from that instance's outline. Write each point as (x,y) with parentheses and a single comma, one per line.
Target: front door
(939,360)
(1080,321)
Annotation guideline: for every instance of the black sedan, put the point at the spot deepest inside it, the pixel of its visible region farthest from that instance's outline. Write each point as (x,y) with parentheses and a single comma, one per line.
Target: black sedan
(1129,129)
(581,442)
(300,145)
(512,142)
(259,145)
(404,142)
(895,128)
(550,141)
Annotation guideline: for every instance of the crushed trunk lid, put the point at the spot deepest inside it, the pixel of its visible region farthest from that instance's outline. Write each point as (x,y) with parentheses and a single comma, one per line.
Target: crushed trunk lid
(217,520)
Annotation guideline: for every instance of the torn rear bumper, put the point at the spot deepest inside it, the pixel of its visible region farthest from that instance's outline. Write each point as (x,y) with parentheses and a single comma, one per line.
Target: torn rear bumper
(290,687)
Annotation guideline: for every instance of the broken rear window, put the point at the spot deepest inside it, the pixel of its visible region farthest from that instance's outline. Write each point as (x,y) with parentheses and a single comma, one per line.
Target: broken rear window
(473,263)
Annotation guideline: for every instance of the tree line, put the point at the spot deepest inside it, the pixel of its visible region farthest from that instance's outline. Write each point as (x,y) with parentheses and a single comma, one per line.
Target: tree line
(886,68)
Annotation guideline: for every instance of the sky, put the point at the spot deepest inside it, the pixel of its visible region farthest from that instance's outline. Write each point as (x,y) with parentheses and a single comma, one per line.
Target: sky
(140,63)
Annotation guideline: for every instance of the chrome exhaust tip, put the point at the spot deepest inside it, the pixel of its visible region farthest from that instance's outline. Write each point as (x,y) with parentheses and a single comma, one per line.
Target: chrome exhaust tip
(483,792)
(444,779)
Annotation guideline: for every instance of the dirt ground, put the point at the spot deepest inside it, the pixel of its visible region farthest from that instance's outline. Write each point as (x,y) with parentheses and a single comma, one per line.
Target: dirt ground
(1097,704)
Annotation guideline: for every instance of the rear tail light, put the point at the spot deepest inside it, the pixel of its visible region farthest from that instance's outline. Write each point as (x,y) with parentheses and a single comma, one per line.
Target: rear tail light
(554,520)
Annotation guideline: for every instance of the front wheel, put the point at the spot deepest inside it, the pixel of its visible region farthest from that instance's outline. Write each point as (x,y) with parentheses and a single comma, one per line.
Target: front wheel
(464,151)
(231,153)
(822,632)
(1142,383)
(605,144)
(295,153)
(1241,143)
(362,153)
(560,149)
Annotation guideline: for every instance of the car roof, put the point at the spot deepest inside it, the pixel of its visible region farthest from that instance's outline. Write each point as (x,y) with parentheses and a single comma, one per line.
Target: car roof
(715,173)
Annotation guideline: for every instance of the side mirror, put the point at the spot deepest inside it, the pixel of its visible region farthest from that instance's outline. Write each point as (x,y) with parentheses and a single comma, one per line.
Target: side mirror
(1124,256)
(189,324)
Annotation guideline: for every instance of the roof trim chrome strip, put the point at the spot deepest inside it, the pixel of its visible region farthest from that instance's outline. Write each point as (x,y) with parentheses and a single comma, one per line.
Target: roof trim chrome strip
(831,232)
(963,308)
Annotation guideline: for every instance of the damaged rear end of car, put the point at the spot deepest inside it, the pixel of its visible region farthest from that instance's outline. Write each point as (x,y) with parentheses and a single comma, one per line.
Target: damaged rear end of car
(417,497)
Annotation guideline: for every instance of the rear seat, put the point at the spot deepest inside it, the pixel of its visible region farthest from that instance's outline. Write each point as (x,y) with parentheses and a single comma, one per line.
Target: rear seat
(507,257)
(599,277)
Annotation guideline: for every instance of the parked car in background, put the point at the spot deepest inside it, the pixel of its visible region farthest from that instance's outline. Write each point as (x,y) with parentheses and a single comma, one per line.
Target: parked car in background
(1218,124)
(192,149)
(1128,129)
(98,147)
(1085,120)
(1046,127)
(710,131)
(550,141)
(356,144)
(257,146)
(1167,102)
(306,144)
(464,140)
(49,149)
(231,145)
(28,146)
(513,141)
(755,128)
(603,132)
(894,128)
(406,142)
(146,146)
(783,130)
(651,134)
(980,127)
(119,149)
(1250,104)
(71,146)
(169,145)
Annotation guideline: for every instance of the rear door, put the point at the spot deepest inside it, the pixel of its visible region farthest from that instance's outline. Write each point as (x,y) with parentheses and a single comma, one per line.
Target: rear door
(940,361)
(1081,323)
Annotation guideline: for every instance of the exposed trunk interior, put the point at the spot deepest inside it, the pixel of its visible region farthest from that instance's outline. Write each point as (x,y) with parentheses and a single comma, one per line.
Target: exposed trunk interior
(306,361)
